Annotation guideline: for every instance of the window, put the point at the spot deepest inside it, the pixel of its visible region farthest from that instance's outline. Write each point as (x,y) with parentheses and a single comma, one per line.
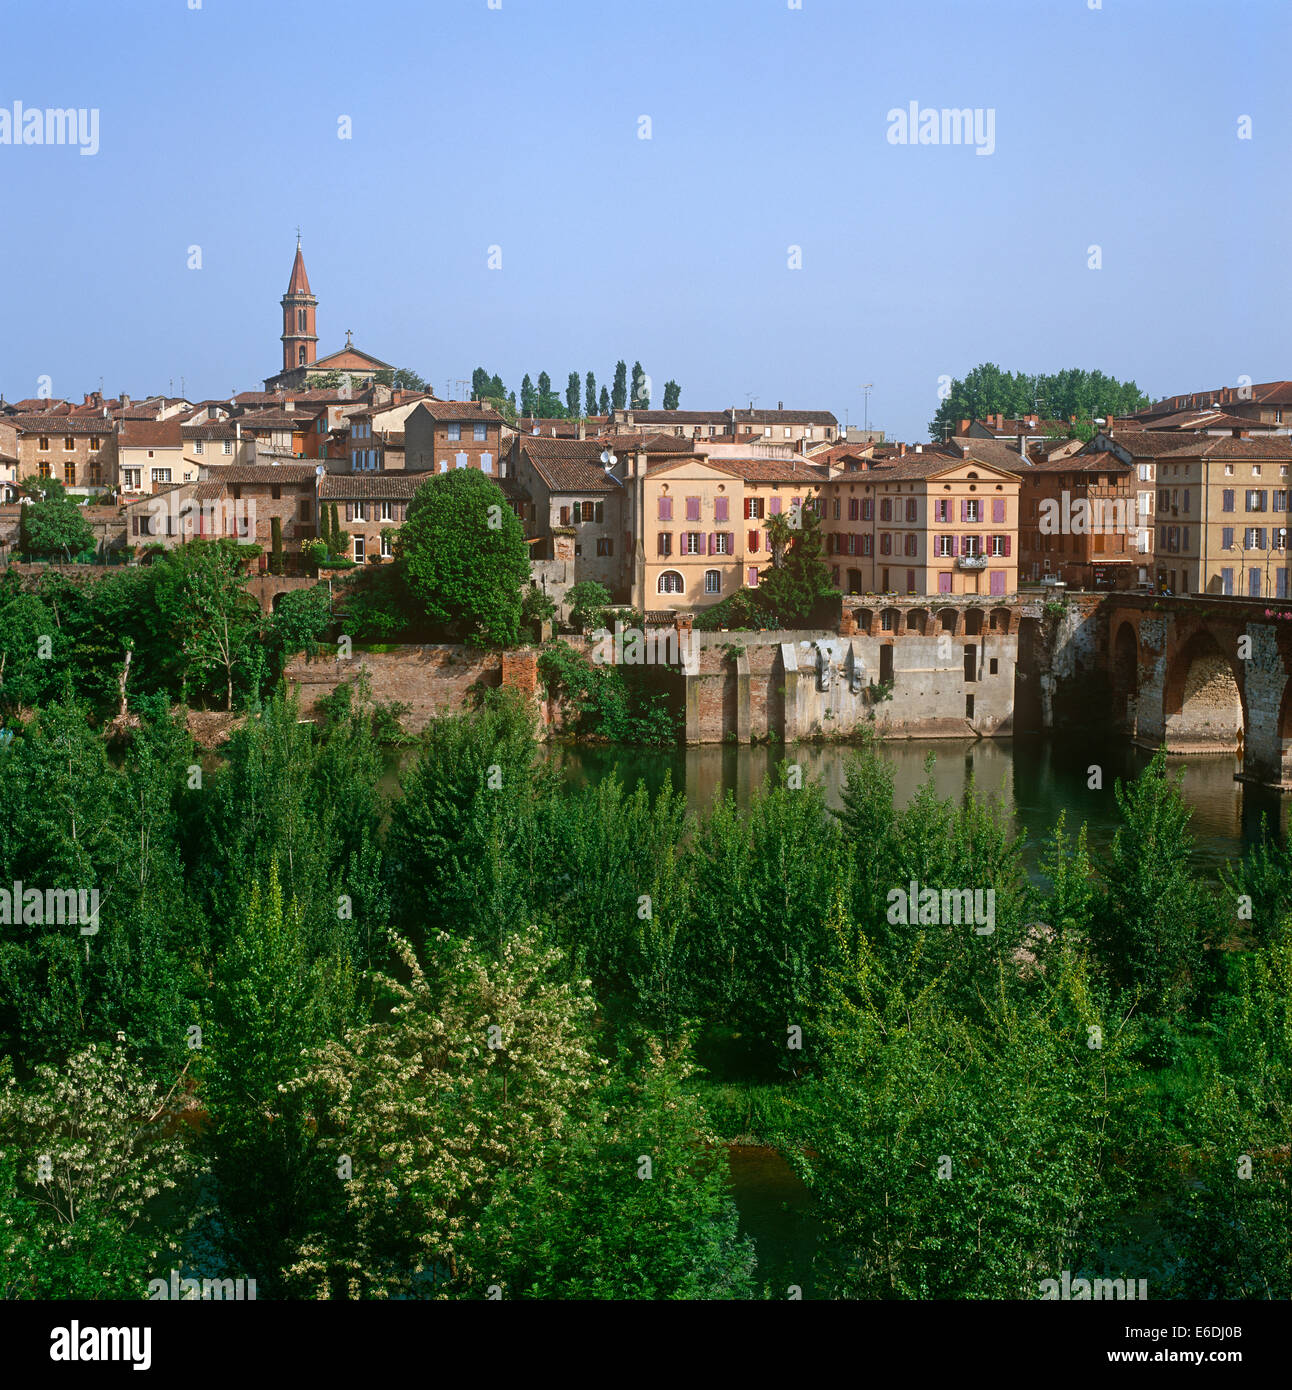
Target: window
(666,509)
(385,545)
(132,477)
(868,509)
(455,431)
(585,511)
(605,546)
(885,544)
(478,433)
(1226,538)
(387,511)
(44,469)
(693,509)
(753,508)
(276,493)
(692,543)
(300,357)
(69,444)
(460,459)
(886,509)
(360,512)
(670,582)
(227,446)
(486,463)
(565,516)
(719,509)
(912,545)
(300,320)
(69,473)
(1255,500)
(751,542)
(972,509)
(723,543)
(664,543)
(997,545)
(751,576)
(713,581)
(358,550)
(161,475)
(1227,500)
(95,442)
(836,509)
(912,509)
(43,443)
(944,546)
(198,446)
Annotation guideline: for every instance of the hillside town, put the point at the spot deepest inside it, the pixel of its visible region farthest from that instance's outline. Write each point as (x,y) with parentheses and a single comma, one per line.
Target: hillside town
(669,509)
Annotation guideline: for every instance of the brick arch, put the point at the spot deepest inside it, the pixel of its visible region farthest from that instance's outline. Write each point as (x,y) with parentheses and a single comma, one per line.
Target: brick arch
(1204,703)
(1125,670)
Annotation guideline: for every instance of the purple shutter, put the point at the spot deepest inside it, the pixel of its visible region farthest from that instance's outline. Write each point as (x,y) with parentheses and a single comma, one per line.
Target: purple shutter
(775,508)
(964,509)
(349,511)
(998,509)
(955,545)
(731,542)
(1007,544)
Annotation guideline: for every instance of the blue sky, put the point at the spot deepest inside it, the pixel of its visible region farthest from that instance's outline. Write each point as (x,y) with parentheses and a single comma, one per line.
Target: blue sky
(518,127)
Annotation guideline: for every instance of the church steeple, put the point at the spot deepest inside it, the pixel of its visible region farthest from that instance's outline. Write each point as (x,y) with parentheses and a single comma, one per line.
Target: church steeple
(299,337)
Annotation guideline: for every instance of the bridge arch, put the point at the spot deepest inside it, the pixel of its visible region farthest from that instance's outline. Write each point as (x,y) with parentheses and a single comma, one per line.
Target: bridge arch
(1125,673)
(1204,704)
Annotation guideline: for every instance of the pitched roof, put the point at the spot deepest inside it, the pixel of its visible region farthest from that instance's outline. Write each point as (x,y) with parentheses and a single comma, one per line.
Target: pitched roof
(763,470)
(62,424)
(260,472)
(1225,447)
(150,434)
(359,487)
(786,417)
(569,465)
(451,412)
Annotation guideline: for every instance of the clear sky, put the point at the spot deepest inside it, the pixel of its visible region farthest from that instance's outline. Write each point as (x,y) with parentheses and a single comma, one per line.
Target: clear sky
(518,127)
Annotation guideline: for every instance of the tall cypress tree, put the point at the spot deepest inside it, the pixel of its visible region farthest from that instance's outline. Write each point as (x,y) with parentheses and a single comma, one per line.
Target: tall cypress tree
(641,388)
(619,396)
(604,405)
(590,395)
(572,393)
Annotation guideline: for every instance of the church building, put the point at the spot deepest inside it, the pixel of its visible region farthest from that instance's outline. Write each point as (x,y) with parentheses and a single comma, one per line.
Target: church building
(301,368)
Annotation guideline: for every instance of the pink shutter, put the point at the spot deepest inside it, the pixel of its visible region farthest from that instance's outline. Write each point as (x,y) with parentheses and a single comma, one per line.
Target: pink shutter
(731,542)
(1007,541)
(955,545)
(998,509)
(349,511)
(964,509)
(666,509)
(720,509)
(775,506)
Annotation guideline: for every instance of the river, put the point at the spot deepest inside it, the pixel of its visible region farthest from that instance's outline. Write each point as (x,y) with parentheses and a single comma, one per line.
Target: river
(1034,778)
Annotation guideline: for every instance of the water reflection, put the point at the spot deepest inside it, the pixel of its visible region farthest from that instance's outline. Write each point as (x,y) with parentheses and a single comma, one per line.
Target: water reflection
(1035,779)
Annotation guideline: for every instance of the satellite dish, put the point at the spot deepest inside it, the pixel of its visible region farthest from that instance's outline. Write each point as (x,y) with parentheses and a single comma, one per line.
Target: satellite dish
(608,458)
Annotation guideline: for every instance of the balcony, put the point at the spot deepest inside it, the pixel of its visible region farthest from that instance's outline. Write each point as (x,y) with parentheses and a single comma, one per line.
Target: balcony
(971,562)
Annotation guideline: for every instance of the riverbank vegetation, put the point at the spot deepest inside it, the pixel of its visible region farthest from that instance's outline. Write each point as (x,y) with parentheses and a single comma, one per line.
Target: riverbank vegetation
(488,1036)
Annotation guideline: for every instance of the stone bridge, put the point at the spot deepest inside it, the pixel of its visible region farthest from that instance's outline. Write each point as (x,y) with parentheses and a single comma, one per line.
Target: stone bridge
(1204,675)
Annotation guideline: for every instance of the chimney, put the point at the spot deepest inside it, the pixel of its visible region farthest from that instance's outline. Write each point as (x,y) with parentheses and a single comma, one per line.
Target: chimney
(1109,422)
(963,427)
(125,400)
(901,451)
(289,405)
(780,405)
(919,448)
(237,430)
(396,397)
(583,428)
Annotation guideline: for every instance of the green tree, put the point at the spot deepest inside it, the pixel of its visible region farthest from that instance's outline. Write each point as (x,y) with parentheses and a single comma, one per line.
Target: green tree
(85,1148)
(528,397)
(587,601)
(799,575)
(603,407)
(641,388)
(463,554)
(202,597)
(444,1108)
(273,1000)
(572,394)
(55,525)
(548,405)
(672,395)
(590,394)
(619,393)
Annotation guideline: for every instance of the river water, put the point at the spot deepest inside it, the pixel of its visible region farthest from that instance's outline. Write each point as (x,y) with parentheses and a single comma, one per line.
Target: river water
(1034,778)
